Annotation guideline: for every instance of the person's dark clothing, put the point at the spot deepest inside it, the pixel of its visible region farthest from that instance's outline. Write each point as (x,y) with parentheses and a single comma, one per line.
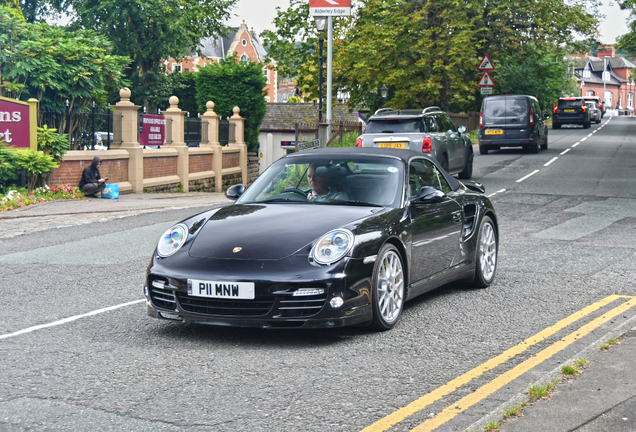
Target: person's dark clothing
(89,184)
(92,189)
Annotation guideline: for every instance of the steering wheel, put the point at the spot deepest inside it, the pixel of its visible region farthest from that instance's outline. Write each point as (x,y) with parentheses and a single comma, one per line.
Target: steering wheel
(296,191)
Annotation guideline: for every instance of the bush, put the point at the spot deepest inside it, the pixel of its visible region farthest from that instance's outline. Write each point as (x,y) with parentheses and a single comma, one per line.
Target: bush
(8,174)
(232,83)
(36,164)
(52,143)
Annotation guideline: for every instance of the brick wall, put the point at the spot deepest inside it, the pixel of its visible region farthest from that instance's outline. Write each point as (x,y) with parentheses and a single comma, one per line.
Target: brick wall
(70,172)
(200,163)
(231,160)
(203,185)
(160,166)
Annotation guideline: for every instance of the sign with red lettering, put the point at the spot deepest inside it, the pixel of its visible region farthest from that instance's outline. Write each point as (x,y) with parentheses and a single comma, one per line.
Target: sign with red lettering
(153,130)
(330,7)
(16,128)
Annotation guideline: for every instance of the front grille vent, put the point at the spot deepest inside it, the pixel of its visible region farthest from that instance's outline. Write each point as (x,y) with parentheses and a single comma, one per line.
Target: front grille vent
(257,307)
(302,306)
(163,299)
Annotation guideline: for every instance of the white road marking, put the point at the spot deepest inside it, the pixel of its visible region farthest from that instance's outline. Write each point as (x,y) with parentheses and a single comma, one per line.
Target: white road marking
(531,174)
(552,160)
(68,320)
(574,145)
(495,193)
(589,135)
(595,131)
(581,141)
(564,151)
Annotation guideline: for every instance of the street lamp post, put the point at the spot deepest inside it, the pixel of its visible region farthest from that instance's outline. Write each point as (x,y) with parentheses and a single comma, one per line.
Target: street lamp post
(384,91)
(329,68)
(321,23)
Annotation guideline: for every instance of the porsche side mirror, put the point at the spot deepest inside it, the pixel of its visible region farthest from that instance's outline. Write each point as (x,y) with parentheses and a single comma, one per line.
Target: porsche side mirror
(234,192)
(461,129)
(428,195)
(474,186)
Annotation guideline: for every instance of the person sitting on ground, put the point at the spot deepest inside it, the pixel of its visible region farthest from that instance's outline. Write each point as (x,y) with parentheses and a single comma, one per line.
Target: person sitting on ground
(92,182)
(319,182)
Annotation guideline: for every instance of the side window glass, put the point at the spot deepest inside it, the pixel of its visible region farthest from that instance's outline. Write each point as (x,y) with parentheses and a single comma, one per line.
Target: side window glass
(431,126)
(421,174)
(449,123)
(440,180)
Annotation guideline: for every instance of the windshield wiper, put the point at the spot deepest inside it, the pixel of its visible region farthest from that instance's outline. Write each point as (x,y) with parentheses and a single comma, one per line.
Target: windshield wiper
(346,202)
(271,200)
(386,131)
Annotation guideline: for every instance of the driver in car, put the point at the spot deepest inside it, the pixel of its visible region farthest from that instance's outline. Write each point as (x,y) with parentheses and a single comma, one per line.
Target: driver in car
(318,180)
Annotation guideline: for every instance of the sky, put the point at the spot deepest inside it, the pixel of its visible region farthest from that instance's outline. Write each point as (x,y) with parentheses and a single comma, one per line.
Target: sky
(260,15)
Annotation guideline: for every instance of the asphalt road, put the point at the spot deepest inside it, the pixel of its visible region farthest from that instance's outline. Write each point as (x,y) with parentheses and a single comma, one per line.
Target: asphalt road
(568,235)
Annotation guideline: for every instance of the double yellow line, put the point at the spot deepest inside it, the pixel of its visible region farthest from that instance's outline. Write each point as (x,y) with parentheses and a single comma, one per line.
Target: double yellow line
(486,390)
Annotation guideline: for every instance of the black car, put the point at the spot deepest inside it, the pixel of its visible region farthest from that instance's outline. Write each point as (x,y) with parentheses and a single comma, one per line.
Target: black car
(512,121)
(284,257)
(571,111)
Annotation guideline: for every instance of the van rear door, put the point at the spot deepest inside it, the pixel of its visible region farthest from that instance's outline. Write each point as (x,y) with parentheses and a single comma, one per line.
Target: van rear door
(506,118)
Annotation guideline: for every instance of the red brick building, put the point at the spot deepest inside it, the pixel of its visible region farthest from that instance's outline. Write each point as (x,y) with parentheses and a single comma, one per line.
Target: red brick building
(242,41)
(608,77)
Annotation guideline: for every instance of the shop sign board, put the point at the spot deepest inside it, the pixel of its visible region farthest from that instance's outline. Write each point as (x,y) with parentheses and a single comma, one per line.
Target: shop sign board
(18,123)
(153,130)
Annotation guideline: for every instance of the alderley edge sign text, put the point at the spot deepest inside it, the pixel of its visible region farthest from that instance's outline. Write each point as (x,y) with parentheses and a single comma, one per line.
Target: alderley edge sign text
(330,7)
(18,123)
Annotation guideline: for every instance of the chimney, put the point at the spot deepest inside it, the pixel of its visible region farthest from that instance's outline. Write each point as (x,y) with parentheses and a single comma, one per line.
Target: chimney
(605,51)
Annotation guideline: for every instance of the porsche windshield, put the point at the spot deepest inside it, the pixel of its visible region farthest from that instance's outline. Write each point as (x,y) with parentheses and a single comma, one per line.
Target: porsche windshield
(376,181)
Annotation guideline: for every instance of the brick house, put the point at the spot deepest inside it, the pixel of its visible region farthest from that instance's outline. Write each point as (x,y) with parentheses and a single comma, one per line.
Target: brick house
(240,41)
(610,74)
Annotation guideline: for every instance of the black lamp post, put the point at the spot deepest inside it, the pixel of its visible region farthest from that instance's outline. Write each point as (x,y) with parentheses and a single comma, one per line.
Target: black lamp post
(321,24)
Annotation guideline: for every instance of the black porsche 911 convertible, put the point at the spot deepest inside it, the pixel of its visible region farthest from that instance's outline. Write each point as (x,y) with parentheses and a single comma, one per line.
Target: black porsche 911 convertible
(326,238)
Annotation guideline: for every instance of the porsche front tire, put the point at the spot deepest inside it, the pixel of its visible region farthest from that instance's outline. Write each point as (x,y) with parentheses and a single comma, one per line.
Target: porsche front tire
(388,288)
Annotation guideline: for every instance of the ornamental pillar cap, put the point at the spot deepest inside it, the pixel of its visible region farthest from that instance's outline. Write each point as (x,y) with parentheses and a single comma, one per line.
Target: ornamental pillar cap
(174,102)
(236,110)
(209,105)
(124,94)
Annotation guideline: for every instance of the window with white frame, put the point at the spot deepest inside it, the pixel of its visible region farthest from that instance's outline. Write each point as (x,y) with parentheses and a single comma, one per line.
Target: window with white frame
(587,73)
(589,93)
(244,58)
(620,100)
(176,68)
(606,76)
(630,100)
(608,100)
(266,75)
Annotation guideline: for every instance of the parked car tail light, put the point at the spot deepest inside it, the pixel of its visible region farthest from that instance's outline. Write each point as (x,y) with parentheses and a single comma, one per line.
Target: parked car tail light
(359,142)
(531,117)
(583,107)
(427,145)
(481,119)
(555,109)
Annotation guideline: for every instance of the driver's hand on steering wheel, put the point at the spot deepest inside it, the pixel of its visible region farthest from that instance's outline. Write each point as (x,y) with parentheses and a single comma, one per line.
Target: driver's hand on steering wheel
(311,196)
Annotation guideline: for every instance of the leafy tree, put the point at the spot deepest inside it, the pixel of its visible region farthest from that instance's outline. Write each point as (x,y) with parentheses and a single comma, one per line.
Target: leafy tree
(627,42)
(294,99)
(149,31)
(183,86)
(54,64)
(427,51)
(232,83)
(8,173)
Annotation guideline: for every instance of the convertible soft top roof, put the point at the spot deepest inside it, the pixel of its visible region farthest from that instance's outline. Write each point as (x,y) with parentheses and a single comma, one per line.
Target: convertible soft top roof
(404,155)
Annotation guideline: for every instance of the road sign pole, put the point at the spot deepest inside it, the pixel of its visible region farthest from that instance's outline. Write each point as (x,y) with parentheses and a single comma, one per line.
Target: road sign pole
(329,68)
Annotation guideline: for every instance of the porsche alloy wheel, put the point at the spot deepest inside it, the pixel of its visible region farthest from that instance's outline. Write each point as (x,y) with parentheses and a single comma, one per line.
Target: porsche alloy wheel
(388,288)
(486,262)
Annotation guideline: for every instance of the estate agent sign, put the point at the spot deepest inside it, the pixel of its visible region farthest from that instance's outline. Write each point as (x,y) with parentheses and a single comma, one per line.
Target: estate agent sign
(18,123)
(153,130)
(330,7)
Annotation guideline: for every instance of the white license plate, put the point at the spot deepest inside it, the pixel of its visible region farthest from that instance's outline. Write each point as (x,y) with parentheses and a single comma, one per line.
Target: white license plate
(215,289)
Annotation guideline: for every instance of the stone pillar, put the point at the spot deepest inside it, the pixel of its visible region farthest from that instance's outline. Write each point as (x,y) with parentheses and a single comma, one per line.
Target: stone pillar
(178,130)
(213,141)
(239,130)
(129,139)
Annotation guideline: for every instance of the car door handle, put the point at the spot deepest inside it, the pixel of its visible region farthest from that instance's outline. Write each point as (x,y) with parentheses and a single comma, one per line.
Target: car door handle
(457,217)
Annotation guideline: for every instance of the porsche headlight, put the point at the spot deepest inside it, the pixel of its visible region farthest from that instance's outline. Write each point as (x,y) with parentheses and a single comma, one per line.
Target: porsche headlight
(332,246)
(172,240)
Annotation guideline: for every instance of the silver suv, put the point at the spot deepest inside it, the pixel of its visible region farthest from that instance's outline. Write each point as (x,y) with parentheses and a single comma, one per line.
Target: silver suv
(429,130)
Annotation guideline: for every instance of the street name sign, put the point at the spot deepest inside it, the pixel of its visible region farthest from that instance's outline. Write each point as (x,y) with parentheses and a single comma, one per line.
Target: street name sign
(486,80)
(329,8)
(486,64)
(308,145)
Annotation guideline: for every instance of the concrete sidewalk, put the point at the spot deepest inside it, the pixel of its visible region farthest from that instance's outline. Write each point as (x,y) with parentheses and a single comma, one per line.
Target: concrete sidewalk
(60,213)
(602,398)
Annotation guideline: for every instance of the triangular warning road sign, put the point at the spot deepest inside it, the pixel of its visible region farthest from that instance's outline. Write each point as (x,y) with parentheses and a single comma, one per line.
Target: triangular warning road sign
(486,64)
(486,80)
